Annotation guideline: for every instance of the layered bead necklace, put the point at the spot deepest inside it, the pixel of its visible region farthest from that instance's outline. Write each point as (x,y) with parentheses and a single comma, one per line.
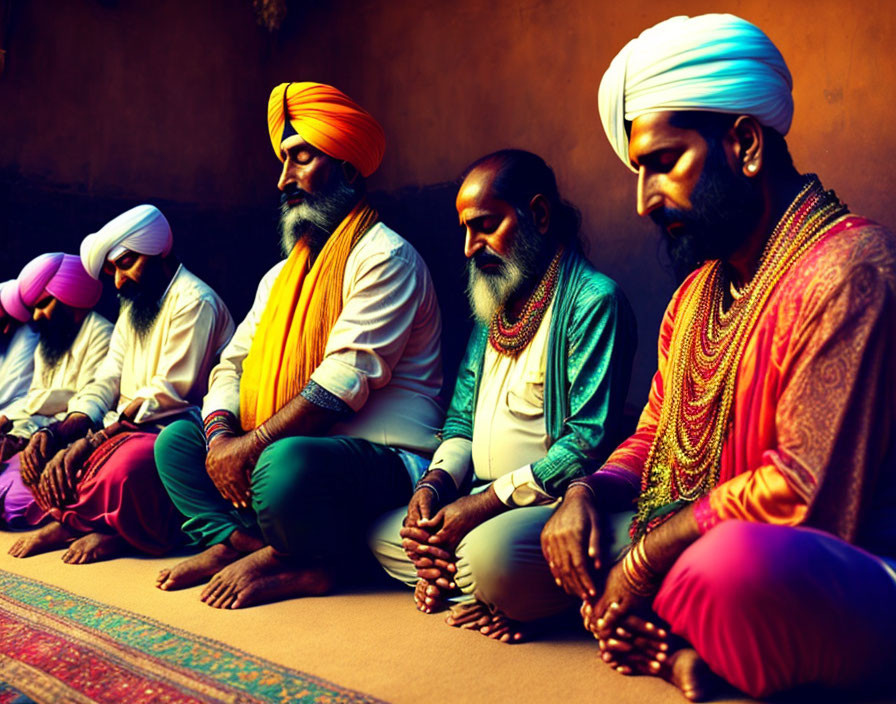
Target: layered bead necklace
(707,344)
(510,338)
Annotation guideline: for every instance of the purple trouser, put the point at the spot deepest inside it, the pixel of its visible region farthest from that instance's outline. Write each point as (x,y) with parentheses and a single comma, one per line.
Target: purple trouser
(18,507)
(772,607)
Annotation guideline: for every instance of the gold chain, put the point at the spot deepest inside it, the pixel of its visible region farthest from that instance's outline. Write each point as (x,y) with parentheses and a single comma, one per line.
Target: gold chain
(707,344)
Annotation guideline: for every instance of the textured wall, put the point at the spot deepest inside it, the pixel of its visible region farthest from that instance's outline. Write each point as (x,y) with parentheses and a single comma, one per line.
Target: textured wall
(107,104)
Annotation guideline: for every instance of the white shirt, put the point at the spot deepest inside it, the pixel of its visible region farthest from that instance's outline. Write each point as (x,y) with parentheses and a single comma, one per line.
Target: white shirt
(52,388)
(382,357)
(509,431)
(17,365)
(169,367)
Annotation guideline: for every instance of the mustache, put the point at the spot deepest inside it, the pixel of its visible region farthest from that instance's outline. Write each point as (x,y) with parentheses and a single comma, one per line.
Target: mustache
(664,217)
(290,193)
(483,259)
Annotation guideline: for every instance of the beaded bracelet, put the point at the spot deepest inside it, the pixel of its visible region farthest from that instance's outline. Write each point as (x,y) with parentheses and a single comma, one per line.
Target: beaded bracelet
(218,423)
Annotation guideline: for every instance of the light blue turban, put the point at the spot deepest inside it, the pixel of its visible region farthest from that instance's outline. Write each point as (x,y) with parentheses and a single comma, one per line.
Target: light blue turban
(143,230)
(718,63)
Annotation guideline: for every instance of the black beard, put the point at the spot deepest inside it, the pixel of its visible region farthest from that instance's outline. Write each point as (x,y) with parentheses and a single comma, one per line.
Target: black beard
(57,335)
(142,302)
(317,216)
(726,207)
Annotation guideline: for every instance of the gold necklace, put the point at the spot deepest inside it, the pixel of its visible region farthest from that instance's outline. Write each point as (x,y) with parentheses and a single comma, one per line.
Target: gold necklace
(707,345)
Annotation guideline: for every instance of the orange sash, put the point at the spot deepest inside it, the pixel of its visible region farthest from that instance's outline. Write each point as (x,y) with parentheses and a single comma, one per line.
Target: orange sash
(303,306)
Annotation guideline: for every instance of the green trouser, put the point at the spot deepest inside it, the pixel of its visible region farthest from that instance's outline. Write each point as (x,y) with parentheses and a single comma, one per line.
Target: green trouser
(312,498)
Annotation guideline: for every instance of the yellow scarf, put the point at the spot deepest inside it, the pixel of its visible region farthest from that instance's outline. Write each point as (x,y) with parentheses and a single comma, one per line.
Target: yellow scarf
(303,306)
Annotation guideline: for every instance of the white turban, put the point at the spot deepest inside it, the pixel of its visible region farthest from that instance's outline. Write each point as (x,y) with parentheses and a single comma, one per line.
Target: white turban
(143,230)
(717,63)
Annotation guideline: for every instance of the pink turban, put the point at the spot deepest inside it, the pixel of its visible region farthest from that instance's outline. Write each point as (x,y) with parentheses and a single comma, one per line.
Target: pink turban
(143,230)
(329,120)
(61,276)
(11,301)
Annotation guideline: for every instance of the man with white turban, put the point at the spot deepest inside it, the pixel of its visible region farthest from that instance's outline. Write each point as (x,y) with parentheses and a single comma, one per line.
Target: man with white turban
(102,491)
(73,341)
(322,412)
(18,340)
(762,468)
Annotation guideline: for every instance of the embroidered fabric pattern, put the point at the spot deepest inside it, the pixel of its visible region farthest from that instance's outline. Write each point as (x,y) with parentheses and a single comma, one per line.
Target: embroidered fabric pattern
(510,338)
(319,396)
(706,348)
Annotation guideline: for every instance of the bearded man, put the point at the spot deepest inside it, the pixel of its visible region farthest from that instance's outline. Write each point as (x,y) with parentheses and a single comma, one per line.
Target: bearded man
(763,463)
(323,409)
(18,340)
(102,490)
(538,399)
(74,341)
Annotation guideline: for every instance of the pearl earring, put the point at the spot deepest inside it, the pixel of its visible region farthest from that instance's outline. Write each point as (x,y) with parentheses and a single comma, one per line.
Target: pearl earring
(751,168)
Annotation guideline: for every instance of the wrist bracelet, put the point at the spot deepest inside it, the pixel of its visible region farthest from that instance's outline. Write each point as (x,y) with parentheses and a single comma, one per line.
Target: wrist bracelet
(582,482)
(431,487)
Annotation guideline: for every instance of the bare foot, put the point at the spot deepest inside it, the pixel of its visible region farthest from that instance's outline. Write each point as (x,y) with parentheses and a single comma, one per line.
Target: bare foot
(263,576)
(475,615)
(198,568)
(690,673)
(428,597)
(94,547)
(51,536)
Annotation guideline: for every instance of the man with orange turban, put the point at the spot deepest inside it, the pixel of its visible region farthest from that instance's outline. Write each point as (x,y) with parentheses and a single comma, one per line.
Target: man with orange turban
(74,340)
(322,411)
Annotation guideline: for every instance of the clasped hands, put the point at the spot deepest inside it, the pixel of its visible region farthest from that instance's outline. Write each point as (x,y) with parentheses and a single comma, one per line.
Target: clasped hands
(229,463)
(53,483)
(570,542)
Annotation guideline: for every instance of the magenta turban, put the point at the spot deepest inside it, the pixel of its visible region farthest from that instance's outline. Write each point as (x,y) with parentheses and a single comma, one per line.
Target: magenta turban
(11,301)
(61,276)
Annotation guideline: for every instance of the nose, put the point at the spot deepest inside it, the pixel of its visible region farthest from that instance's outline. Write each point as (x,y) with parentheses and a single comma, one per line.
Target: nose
(649,198)
(472,244)
(120,278)
(287,175)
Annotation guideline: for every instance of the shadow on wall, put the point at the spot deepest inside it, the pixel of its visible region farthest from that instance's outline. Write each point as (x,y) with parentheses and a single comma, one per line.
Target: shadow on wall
(232,248)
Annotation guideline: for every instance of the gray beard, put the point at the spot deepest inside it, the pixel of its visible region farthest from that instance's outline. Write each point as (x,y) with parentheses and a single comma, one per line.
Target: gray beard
(527,259)
(316,217)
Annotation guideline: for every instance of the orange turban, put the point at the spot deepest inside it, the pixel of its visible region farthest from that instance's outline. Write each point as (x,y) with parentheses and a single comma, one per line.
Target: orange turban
(329,120)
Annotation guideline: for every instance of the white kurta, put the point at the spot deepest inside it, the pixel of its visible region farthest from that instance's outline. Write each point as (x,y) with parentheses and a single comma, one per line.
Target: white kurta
(52,388)
(169,367)
(382,357)
(509,431)
(17,365)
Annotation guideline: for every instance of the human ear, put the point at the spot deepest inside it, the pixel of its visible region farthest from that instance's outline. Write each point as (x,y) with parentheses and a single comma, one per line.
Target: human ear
(351,173)
(748,145)
(541,213)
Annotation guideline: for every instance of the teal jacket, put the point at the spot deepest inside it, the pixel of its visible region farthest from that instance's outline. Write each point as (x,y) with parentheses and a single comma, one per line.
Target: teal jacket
(591,345)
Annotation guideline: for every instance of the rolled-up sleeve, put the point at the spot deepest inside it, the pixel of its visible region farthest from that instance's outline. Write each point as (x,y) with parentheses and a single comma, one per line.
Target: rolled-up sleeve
(372,330)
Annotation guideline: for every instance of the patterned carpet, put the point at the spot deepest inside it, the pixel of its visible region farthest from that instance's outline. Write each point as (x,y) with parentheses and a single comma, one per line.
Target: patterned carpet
(56,646)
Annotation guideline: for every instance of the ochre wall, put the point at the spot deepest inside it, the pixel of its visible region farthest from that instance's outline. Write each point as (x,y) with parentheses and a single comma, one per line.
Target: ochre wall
(105,105)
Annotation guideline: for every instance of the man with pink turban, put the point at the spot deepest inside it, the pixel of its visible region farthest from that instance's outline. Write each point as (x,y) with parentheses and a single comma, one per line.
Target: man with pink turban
(18,339)
(73,341)
(323,408)
(102,490)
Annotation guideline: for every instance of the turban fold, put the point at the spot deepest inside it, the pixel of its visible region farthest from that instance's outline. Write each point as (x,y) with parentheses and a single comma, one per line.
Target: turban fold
(717,63)
(61,276)
(328,120)
(142,229)
(11,301)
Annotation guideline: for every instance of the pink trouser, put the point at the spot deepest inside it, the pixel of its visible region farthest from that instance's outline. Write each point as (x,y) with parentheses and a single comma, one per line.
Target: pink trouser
(122,493)
(772,607)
